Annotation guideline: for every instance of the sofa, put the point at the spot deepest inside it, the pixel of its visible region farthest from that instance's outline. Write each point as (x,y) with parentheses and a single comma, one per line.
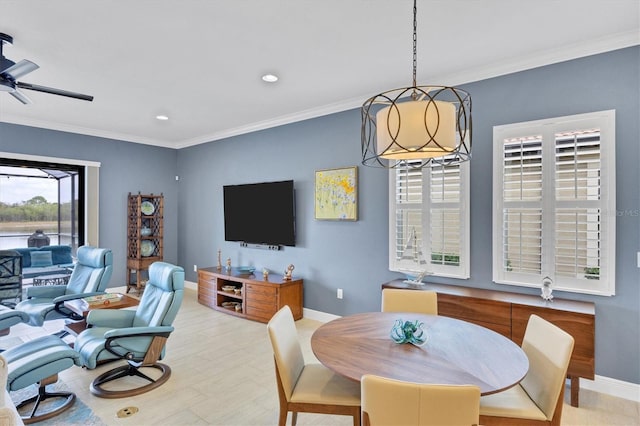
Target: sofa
(46,260)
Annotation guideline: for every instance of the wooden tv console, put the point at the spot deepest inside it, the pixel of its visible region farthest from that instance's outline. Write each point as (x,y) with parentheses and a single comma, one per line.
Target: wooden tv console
(508,314)
(259,298)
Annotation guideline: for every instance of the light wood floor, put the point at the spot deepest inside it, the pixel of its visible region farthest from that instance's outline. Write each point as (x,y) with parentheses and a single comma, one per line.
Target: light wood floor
(223,374)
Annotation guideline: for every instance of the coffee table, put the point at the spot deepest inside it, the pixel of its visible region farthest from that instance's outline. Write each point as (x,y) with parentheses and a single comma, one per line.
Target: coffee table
(81,307)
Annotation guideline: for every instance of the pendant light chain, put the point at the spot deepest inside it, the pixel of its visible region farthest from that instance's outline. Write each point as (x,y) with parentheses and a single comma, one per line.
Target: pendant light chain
(415,42)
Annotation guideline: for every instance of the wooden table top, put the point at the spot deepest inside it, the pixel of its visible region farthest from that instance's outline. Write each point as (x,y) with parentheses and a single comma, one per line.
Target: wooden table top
(80,307)
(456,352)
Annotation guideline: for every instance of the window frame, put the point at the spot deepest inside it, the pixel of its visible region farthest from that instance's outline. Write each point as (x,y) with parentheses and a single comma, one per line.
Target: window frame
(606,203)
(460,271)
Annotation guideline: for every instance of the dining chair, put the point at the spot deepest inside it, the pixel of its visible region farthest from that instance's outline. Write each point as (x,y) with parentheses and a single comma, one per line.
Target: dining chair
(393,402)
(538,398)
(416,301)
(307,387)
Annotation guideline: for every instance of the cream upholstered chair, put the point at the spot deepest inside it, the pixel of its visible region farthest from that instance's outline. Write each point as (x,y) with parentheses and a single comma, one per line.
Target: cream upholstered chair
(8,413)
(393,402)
(303,387)
(416,301)
(538,399)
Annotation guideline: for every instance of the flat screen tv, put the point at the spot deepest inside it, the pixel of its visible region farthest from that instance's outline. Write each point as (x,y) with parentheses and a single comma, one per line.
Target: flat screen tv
(260,213)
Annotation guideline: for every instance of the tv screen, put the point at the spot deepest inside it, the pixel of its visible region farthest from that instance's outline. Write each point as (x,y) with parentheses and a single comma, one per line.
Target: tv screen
(260,213)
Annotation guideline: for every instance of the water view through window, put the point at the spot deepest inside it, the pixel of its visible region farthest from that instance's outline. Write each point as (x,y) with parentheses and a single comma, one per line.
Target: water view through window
(40,204)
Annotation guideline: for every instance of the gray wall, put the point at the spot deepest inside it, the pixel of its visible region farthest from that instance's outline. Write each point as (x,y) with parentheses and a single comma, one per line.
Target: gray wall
(125,167)
(328,255)
(353,255)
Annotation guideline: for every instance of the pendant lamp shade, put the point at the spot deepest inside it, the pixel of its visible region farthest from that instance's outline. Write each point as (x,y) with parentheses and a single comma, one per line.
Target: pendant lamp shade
(428,130)
(429,123)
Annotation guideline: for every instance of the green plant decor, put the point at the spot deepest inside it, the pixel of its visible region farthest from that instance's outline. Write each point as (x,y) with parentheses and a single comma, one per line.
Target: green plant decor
(446,259)
(592,273)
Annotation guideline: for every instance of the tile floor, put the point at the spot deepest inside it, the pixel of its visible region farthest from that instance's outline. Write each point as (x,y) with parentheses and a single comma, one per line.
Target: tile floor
(223,374)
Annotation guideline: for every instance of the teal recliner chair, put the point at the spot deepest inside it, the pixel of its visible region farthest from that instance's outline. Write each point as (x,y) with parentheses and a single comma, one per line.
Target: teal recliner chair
(135,336)
(90,277)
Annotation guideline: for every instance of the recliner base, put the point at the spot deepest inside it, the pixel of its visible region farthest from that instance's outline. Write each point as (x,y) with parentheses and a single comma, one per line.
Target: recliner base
(33,417)
(129,370)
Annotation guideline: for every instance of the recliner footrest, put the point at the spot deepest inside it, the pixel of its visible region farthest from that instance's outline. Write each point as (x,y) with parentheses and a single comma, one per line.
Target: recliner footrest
(39,361)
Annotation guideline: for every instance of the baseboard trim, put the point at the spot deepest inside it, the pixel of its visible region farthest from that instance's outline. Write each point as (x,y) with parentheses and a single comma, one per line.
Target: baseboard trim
(317,315)
(613,387)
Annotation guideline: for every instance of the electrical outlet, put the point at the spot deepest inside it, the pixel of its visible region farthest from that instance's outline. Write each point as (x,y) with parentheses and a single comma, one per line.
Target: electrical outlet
(339,294)
(195,268)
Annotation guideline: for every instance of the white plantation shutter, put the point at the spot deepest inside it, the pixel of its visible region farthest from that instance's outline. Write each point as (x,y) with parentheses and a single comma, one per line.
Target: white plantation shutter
(429,219)
(445,215)
(577,223)
(407,220)
(522,208)
(553,182)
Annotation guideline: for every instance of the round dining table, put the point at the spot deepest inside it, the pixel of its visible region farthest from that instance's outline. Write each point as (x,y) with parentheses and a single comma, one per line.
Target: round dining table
(456,352)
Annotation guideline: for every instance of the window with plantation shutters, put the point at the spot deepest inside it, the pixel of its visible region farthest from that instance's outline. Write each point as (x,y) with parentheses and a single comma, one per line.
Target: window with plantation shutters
(554,203)
(429,219)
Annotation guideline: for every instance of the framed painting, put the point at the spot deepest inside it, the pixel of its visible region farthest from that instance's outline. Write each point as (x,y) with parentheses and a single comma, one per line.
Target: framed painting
(336,195)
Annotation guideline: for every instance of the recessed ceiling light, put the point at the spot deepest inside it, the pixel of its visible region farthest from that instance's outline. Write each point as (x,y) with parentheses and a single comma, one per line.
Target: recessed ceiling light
(270,78)
(162,117)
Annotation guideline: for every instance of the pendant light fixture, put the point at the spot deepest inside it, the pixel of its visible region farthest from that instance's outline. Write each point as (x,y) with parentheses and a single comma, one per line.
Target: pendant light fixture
(428,123)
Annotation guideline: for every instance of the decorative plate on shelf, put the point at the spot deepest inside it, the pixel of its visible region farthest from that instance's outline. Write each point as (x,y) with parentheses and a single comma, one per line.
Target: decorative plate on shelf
(147,248)
(147,207)
(245,269)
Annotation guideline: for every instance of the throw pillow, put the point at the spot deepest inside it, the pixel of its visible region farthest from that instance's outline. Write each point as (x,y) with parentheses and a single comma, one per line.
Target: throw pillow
(40,259)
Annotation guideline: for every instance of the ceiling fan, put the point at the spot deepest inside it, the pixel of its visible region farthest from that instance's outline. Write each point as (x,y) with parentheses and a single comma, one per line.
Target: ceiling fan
(11,71)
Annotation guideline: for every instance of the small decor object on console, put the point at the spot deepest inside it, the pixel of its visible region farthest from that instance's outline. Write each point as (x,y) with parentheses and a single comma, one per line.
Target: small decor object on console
(265,274)
(228,263)
(547,284)
(288,271)
(219,259)
(417,280)
(408,332)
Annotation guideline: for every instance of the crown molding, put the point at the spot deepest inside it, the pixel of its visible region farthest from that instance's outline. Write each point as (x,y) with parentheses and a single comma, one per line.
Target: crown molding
(530,61)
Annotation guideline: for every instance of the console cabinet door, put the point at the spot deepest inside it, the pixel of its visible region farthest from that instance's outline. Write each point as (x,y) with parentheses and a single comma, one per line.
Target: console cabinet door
(207,290)
(260,301)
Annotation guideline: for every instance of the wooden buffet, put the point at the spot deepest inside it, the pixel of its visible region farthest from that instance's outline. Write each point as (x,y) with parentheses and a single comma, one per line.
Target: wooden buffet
(508,314)
(258,299)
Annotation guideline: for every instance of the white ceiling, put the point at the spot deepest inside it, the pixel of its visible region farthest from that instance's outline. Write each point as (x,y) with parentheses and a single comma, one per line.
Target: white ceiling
(200,61)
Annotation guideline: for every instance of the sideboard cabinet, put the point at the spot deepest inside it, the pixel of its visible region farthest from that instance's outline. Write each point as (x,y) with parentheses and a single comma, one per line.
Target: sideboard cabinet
(508,314)
(248,296)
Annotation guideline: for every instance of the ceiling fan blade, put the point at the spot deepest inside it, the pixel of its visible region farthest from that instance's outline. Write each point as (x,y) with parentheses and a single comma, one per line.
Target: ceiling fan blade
(53,91)
(16,71)
(21,97)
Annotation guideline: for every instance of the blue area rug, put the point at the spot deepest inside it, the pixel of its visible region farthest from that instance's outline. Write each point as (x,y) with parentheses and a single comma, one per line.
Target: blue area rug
(78,414)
